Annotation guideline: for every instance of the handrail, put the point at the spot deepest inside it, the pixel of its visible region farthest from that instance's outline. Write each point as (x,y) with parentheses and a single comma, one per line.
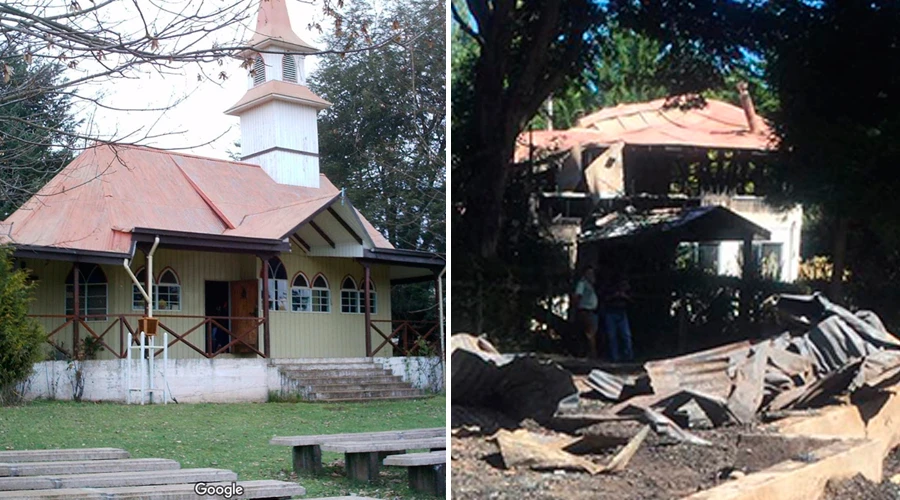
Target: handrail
(122,321)
(411,336)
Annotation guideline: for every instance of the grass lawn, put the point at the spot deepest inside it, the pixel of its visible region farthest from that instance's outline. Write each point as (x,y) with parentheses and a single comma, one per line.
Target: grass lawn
(228,436)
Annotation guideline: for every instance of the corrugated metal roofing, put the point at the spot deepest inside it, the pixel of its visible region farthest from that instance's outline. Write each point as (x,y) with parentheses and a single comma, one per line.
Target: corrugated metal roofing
(717,125)
(619,224)
(107,191)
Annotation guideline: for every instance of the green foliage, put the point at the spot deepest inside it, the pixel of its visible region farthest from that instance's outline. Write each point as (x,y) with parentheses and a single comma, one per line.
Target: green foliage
(21,337)
(36,132)
(525,51)
(384,137)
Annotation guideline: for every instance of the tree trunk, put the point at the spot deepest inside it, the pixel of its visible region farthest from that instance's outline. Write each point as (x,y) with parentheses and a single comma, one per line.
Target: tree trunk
(839,260)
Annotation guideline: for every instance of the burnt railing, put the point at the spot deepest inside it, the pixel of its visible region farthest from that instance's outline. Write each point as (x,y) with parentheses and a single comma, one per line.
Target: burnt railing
(128,323)
(408,338)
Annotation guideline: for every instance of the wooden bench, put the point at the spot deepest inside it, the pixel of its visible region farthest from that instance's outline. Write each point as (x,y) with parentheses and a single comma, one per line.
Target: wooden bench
(16,469)
(307,453)
(363,458)
(426,470)
(116,479)
(266,488)
(61,455)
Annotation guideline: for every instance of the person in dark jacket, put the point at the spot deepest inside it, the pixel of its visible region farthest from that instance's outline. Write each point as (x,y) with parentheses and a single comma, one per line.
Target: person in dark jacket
(615,318)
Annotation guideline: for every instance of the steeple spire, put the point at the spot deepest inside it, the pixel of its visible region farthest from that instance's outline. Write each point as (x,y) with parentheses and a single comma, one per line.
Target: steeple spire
(278,113)
(273,23)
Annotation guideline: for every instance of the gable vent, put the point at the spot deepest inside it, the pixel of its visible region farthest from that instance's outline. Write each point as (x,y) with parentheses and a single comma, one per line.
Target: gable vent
(289,68)
(259,72)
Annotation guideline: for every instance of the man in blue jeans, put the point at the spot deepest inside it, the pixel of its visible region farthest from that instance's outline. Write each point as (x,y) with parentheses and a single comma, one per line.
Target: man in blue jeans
(615,317)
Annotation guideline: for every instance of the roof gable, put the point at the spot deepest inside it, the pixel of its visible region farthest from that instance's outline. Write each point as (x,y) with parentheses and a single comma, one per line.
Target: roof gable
(108,191)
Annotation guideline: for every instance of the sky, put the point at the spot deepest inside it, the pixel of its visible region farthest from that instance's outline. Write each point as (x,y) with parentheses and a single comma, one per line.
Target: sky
(197,124)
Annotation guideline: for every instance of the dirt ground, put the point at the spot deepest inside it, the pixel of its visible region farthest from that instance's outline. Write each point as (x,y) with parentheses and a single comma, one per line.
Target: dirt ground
(858,487)
(661,469)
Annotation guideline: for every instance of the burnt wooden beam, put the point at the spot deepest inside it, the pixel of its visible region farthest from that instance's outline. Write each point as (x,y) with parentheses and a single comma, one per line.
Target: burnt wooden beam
(346,226)
(324,236)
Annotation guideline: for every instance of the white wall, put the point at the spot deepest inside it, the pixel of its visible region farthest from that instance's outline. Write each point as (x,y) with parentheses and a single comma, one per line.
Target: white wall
(422,372)
(785,227)
(218,380)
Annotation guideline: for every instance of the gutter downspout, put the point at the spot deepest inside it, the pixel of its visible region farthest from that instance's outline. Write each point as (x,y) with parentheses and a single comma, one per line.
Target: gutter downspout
(147,293)
(144,291)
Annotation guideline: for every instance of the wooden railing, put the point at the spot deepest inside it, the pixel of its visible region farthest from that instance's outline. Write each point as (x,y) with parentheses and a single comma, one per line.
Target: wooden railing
(408,338)
(205,325)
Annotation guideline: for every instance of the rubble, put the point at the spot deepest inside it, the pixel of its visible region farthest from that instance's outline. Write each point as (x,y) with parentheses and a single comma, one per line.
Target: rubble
(838,353)
(522,448)
(519,386)
(702,406)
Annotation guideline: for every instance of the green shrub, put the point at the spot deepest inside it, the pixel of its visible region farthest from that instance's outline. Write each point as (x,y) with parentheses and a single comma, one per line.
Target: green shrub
(21,337)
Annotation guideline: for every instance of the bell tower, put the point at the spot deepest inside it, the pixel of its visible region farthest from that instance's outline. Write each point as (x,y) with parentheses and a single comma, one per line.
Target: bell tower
(279,130)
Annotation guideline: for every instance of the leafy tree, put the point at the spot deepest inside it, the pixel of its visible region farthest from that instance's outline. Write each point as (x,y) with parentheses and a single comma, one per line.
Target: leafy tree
(21,337)
(383,140)
(833,67)
(525,50)
(100,42)
(495,295)
(37,133)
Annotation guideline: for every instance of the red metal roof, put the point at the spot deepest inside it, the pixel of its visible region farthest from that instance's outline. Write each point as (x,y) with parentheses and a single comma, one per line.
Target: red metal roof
(717,125)
(97,200)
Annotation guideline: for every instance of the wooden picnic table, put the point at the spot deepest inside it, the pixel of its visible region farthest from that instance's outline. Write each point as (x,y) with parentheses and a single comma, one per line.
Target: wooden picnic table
(307,452)
(362,459)
(426,470)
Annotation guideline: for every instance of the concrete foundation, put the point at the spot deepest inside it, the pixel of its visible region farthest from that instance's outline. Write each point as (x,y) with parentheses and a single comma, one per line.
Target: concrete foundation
(219,380)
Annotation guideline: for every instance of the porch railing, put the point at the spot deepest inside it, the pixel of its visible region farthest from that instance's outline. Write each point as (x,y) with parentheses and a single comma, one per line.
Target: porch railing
(128,323)
(407,338)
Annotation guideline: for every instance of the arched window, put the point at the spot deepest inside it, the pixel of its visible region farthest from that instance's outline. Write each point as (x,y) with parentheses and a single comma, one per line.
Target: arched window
(259,71)
(137,300)
(373,302)
(301,294)
(168,292)
(278,285)
(321,295)
(91,292)
(289,68)
(349,296)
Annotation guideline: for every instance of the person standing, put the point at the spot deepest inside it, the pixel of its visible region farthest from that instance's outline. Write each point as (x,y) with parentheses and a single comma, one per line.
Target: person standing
(615,316)
(585,303)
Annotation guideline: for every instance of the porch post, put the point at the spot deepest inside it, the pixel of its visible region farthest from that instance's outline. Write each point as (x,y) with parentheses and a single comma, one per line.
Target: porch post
(366,284)
(76,279)
(440,305)
(747,274)
(265,305)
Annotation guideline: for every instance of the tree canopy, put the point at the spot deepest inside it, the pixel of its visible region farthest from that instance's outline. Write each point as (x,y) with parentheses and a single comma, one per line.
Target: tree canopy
(36,134)
(384,139)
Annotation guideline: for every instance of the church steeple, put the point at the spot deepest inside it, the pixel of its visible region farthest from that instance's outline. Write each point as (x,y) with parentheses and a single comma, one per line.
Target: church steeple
(278,113)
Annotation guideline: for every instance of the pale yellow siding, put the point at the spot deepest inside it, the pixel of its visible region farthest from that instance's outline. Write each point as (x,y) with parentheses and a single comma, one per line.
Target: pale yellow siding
(293,334)
(334,334)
